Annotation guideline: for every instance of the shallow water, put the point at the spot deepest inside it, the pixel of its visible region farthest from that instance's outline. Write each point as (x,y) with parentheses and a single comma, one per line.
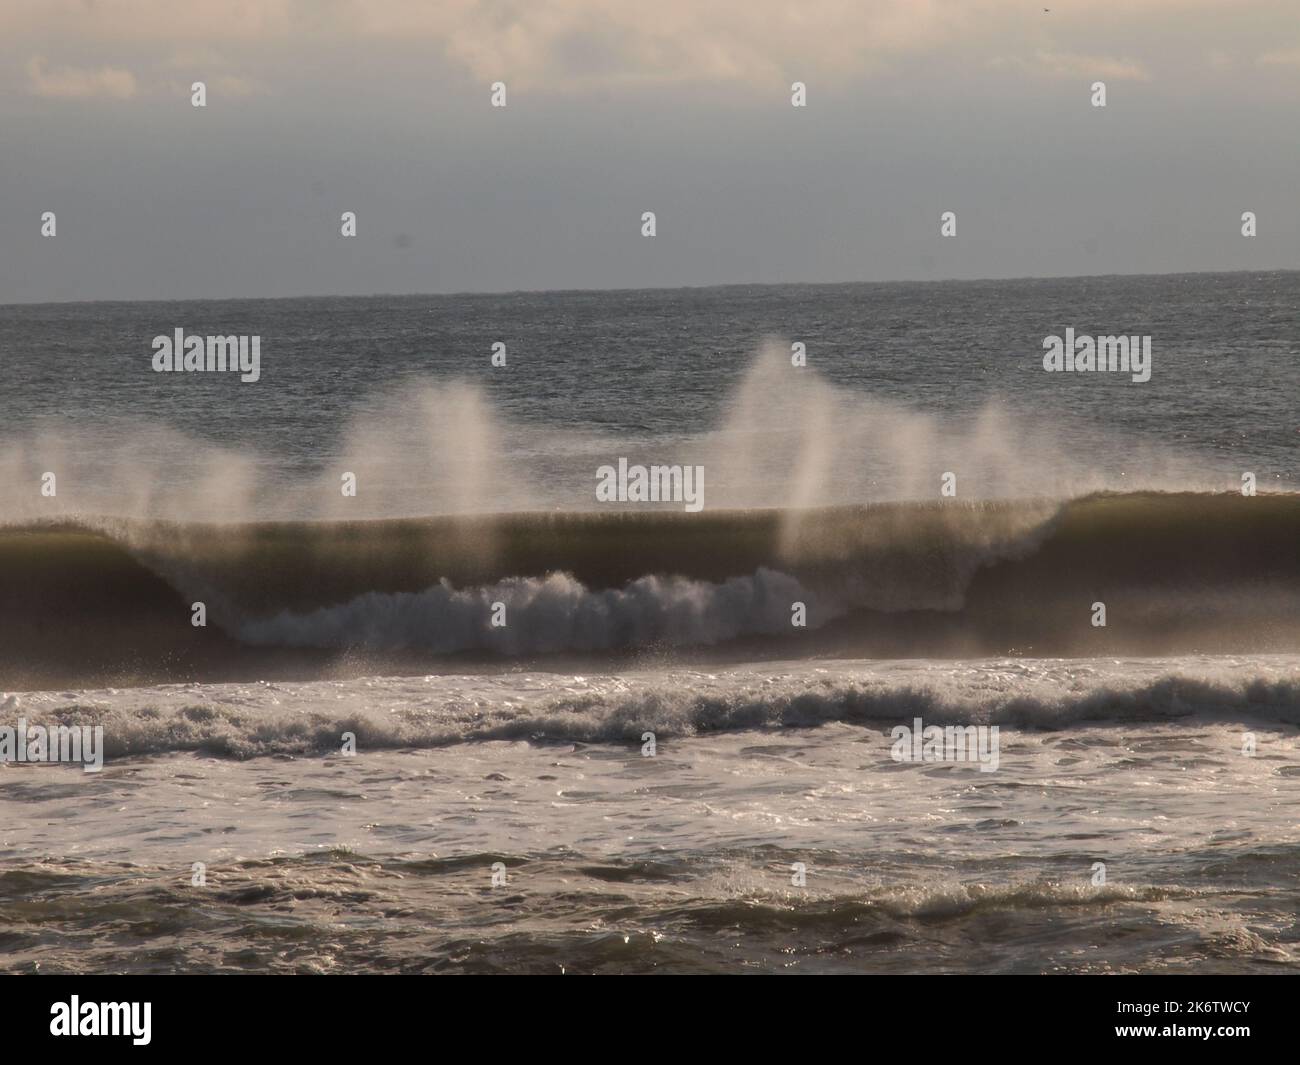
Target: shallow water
(618,862)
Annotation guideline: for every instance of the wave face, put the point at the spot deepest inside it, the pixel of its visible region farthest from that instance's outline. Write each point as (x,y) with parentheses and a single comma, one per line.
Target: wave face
(111,601)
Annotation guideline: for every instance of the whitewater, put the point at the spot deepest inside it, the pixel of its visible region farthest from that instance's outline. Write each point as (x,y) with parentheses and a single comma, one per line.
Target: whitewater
(315,860)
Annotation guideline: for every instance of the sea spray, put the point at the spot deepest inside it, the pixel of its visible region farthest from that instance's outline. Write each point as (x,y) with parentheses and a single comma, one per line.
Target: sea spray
(787,439)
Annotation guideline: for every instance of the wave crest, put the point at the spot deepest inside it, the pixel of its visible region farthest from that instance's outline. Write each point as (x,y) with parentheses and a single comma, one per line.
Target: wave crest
(436,712)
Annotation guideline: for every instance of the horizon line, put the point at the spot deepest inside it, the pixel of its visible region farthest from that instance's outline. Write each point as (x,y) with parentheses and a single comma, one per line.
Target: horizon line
(648,288)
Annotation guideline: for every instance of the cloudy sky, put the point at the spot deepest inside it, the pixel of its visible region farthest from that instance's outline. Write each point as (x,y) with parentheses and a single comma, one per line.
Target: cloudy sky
(615,107)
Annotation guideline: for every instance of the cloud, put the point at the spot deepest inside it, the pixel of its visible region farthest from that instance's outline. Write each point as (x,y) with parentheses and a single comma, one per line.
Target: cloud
(1289,57)
(1066,64)
(575,42)
(76,83)
(552,43)
(563,45)
(232,85)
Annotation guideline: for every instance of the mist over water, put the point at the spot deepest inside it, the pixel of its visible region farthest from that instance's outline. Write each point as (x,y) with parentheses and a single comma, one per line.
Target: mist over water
(787,438)
(904,382)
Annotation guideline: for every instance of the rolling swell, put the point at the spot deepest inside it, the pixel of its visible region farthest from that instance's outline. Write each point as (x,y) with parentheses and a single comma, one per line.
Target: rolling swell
(109,601)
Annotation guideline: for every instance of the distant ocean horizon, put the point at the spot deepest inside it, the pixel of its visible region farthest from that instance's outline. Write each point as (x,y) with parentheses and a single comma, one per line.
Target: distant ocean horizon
(597,289)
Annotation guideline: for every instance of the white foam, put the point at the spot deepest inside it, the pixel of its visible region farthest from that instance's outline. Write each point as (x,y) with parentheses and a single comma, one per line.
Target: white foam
(433,711)
(551,613)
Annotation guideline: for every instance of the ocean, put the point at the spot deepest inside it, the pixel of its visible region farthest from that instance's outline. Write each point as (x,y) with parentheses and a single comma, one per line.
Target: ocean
(448,710)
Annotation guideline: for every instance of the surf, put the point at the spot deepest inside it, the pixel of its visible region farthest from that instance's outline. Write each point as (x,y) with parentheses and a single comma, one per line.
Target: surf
(677,703)
(109,600)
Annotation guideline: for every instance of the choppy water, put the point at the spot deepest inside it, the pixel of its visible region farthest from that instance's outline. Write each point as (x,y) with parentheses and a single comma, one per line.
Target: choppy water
(680,862)
(1166,750)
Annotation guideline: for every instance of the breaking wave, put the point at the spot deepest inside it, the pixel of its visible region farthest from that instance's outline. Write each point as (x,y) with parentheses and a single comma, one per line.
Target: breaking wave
(270,720)
(111,602)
